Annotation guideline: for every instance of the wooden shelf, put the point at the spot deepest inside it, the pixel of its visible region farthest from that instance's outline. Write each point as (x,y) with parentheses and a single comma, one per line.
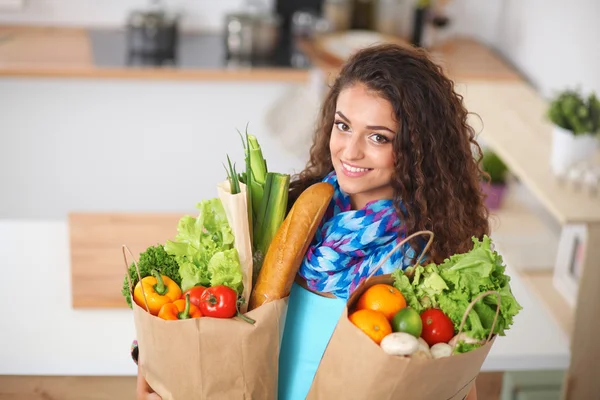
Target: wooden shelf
(514,125)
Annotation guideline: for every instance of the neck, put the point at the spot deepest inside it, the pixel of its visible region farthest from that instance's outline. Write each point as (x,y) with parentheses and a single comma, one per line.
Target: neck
(360,200)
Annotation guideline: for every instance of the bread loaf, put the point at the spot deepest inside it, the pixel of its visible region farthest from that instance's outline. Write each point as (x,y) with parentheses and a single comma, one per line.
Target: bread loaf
(287,250)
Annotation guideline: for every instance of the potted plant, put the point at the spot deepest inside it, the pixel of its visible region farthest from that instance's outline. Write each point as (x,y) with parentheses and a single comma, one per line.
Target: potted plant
(497,170)
(576,124)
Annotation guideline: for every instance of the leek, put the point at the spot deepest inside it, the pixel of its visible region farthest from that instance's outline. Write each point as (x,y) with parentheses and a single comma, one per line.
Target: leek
(268,198)
(273,209)
(256,172)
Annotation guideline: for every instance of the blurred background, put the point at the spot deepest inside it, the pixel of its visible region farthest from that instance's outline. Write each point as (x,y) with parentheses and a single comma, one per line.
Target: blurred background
(116,117)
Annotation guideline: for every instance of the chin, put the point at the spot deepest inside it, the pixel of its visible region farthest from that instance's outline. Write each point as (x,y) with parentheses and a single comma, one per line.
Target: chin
(350,185)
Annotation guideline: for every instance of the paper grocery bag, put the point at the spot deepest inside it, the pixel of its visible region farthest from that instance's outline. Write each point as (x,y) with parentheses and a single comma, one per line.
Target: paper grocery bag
(355,367)
(211,358)
(236,209)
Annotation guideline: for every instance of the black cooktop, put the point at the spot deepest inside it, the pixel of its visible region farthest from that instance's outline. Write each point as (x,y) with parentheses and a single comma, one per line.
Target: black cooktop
(194,51)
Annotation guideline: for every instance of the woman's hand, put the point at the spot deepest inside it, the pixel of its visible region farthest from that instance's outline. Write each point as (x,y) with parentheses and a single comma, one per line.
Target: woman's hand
(143,390)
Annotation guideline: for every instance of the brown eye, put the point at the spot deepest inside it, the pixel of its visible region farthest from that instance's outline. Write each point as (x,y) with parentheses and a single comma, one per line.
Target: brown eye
(379,138)
(342,126)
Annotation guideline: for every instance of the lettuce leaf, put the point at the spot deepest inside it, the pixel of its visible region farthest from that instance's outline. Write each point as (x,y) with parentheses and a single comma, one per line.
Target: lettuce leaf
(453,284)
(463,347)
(404,285)
(202,248)
(224,269)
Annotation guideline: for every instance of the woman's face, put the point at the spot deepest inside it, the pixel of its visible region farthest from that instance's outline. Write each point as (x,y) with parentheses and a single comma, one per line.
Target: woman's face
(361,145)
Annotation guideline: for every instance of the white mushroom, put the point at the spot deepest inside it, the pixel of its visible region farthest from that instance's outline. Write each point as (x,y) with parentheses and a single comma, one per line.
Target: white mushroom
(423,350)
(400,344)
(440,350)
(423,344)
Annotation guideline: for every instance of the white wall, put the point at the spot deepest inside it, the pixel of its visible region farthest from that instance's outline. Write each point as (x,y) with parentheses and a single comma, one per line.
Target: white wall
(102,145)
(554,43)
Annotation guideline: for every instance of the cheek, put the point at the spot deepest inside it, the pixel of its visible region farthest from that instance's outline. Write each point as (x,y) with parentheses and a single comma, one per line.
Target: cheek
(385,159)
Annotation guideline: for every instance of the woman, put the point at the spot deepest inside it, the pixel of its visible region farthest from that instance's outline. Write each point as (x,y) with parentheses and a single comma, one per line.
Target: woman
(394,142)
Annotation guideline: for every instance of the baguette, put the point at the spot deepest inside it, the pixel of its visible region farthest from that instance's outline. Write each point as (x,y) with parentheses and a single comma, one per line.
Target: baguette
(287,250)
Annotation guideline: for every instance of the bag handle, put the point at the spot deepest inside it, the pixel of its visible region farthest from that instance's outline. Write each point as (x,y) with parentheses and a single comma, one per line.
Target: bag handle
(468,311)
(399,245)
(138,273)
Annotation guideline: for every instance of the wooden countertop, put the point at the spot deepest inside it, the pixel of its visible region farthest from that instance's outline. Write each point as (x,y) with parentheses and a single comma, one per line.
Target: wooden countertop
(67,52)
(461,58)
(97,264)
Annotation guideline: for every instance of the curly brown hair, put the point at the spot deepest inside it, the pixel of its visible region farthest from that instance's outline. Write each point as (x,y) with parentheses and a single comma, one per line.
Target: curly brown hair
(437,159)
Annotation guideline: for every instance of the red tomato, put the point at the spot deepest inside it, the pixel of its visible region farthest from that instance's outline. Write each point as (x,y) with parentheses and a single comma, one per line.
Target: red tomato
(195,294)
(219,302)
(437,327)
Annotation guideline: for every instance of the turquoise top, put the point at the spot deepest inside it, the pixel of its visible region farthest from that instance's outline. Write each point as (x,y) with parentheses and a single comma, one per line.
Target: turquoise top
(309,324)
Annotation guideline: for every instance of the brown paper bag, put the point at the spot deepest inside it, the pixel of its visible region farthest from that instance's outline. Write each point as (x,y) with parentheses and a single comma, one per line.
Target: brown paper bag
(355,367)
(236,209)
(213,358)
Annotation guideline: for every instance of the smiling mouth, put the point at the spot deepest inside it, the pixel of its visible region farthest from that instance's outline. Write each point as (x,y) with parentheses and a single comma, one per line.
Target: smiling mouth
(354,170)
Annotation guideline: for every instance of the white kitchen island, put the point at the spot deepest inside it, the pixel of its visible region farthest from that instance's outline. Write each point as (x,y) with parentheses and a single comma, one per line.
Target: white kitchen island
(43,335)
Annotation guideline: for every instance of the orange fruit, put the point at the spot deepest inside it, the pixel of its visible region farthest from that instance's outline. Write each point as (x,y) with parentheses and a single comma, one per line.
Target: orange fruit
(373,323)
(382,297)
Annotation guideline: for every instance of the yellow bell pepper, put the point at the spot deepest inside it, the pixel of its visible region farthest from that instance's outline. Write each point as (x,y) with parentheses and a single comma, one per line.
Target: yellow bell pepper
(159,290)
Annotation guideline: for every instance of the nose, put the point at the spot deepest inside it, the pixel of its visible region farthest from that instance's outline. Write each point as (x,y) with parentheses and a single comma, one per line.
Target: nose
(353,148)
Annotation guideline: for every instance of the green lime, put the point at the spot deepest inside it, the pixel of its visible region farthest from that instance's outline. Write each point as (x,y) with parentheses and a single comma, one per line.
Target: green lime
(407,320)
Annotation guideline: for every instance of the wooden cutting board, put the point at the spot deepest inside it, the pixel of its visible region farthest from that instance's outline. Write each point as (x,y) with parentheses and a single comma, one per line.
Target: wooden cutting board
(96,240)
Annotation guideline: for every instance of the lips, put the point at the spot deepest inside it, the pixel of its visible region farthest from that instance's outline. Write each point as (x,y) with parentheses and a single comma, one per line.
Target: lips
(354,171)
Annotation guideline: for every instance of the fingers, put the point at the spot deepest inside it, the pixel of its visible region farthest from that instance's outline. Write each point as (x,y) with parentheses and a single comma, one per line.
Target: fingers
(143,389)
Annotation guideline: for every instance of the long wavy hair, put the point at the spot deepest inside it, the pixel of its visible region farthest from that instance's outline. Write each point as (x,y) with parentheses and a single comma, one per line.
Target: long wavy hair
(437,159)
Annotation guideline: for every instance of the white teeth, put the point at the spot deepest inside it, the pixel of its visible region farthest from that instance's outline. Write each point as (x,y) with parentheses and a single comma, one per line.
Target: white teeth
(354,169)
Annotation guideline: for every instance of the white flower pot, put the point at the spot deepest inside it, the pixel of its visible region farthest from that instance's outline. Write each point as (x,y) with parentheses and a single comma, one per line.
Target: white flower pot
(568,149)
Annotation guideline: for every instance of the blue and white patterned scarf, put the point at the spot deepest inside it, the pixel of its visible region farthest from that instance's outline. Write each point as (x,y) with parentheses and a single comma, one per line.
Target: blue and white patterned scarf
(349,244)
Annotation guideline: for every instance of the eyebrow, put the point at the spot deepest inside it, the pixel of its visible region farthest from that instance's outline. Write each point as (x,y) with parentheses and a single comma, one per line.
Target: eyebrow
(374,127)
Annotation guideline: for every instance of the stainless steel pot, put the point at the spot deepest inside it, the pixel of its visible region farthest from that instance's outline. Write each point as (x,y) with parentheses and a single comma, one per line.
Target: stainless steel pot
(250,35)
(152,33)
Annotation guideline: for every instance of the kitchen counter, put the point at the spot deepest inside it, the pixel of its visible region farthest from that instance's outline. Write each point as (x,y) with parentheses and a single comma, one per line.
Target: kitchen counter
(83,53)
(86,53)
(96,342)
(462,58)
